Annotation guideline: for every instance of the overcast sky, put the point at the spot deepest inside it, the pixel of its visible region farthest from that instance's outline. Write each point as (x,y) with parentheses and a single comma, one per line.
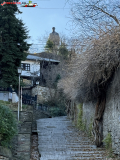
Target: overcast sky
(40,19)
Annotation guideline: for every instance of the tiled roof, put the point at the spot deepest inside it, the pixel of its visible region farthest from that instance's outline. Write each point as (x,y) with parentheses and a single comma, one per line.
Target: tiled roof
(32,57)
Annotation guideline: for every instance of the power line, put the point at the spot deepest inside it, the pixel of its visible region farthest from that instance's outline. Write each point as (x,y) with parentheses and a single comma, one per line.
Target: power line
(39,44)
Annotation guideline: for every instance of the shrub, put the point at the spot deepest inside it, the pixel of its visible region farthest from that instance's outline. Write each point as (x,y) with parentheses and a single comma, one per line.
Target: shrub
(108,141)
(8,125)
(55,111)
(108,144)
(89,74)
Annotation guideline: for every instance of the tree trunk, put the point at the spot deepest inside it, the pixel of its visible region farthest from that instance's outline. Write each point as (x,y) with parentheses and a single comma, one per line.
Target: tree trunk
(98,120)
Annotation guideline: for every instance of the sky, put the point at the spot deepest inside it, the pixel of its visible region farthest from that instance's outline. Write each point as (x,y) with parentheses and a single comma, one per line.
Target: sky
(40,19)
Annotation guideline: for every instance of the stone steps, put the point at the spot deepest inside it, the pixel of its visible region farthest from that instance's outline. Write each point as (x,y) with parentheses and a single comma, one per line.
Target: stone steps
(59,140)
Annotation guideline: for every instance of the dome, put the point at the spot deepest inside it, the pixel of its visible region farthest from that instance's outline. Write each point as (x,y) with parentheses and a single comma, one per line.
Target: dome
(54,37)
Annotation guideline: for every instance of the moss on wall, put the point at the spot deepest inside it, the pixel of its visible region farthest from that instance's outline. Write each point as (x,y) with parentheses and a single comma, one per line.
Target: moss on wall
(90,129)
(80,123)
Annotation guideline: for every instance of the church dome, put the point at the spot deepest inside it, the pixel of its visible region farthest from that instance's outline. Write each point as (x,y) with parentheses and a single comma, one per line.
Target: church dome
(54,37)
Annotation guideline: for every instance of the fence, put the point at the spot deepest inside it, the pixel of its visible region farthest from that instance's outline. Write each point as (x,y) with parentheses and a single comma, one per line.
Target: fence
(27,99)
(43,107)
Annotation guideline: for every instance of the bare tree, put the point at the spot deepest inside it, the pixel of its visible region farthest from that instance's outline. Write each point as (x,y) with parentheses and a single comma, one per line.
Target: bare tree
(90,73)
(92,17)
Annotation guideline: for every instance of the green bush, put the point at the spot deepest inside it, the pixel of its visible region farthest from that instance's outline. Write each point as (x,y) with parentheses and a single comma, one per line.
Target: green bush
(8,125)
(55,111)
(108,141)
(108,144)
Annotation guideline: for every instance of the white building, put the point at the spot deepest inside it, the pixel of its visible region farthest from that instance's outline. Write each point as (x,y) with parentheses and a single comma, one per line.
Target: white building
(31,68)
(31,72)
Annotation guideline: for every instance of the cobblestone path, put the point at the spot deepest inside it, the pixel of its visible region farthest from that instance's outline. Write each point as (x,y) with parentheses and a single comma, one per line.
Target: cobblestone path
(59,140)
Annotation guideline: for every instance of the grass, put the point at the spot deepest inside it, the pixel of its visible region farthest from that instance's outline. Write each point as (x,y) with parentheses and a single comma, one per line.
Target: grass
(14,106)
(108,145)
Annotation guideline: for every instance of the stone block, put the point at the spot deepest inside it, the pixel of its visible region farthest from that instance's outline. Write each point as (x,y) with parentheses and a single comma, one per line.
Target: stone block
(24,116)
(24,146)
(5,152)
(25,127)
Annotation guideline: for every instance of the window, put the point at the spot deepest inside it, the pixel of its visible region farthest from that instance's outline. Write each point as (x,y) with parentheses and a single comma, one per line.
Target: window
(25,66)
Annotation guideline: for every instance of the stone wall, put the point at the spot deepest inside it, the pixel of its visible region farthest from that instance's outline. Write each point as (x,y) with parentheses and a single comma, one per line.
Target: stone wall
(21,143)
(5,154)
(43,93)
(3,158)
(88,113)
(111,117)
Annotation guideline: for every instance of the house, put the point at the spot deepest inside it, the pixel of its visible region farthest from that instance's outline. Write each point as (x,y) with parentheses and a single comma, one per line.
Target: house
(31,69)
(31,72)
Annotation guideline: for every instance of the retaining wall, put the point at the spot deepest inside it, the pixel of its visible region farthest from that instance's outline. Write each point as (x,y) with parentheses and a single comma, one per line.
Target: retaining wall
(21,143)
(5,154)
(111,117)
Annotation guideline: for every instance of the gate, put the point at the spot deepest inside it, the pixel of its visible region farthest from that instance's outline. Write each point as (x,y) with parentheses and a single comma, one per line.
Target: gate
(27,99)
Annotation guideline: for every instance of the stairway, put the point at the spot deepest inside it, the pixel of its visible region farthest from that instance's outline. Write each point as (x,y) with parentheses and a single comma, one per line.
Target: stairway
(58,139)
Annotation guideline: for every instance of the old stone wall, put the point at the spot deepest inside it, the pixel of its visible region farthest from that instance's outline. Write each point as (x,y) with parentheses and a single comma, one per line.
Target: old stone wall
(111,119)
(5,154)
(88,113)
(3,158)
(43,93)
(21,143)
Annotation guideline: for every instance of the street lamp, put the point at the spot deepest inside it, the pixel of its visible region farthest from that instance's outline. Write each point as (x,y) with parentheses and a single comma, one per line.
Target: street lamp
(19,72)
(37,83)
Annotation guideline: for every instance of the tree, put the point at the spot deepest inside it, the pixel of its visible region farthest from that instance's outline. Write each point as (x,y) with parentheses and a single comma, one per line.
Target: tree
(49,45)
(13,45)
(63,51)
(90,74)
(92,17)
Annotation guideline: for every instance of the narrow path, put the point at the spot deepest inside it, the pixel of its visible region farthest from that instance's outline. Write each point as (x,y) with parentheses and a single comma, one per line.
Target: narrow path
(59,140)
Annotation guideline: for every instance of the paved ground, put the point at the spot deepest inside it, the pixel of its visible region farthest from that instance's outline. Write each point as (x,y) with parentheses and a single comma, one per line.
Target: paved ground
(59,140)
